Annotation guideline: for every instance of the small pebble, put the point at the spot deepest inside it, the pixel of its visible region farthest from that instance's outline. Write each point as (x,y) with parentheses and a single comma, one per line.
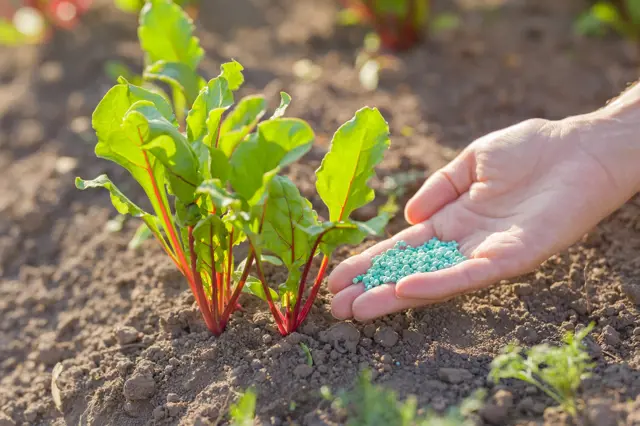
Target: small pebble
(403,260)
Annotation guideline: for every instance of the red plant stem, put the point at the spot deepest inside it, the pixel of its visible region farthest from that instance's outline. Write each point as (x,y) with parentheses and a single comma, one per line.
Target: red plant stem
(314,291)
(214,279)
(220,284)
(199,293)
(290,317)
(237,291)
(229,266)
(303,280)
(250,258)
(177,247)
(277,315)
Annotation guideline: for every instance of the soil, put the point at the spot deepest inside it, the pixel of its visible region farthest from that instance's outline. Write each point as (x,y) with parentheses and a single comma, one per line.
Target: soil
(93,334)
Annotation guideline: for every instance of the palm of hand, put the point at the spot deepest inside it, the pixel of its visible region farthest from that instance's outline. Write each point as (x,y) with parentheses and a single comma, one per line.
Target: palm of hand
(511,200)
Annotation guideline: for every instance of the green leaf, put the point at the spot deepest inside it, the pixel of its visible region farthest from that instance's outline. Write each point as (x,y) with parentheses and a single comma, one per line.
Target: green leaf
(289,289)
(122,204)
(253,286)
(271,259)
(204,118)
(307,353)
(166,34)
(277,143)
(130,6)
(9,34)
(357,147)
(445,22)
(349,232)
(220,166)
(286,213)
(165,142)
(123,145)
(221,198)
(285,100)
(187,214)
(232,72)
(108,115)
(243,411)
(210,235)
(606,12)
(240,122)
(178,75)
(633,7)
(142,234)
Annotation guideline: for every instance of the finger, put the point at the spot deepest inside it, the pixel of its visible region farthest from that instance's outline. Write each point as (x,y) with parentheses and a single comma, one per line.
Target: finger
(466,276)
(441,188)
(343,275)
(341,304)
(381,301)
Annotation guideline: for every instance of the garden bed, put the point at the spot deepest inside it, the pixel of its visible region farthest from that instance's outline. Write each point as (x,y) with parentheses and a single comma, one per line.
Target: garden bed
(71,292)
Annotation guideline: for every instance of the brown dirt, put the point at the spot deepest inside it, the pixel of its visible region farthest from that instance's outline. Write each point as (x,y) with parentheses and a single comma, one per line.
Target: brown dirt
(132,348)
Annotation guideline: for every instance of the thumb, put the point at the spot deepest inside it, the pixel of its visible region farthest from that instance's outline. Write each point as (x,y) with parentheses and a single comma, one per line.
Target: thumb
(442,187)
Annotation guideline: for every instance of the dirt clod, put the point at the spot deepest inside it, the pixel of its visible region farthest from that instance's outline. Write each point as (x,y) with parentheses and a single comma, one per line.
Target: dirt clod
(610,336)
(600,413)
(303,371)
(126,335)
(344,337)
(5,420)
(454,375)
(496,411)
(632,291)
(139,387)
(386,336)
(159,413)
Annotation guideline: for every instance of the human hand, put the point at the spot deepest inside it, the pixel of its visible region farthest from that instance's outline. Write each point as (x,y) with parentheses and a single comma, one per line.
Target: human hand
(511,199)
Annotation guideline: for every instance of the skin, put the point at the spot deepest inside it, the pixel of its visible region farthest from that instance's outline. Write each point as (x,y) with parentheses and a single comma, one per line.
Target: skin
(512,199)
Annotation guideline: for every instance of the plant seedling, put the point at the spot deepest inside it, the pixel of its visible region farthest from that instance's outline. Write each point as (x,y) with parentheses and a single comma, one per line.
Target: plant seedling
(32,21)
(399,23)
(216,185)
(623,16)
(373,405)
(243,411)
(557,371)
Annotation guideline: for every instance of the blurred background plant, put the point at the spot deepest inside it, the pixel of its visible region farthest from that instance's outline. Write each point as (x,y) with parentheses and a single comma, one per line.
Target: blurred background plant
(398,23)
(621,16)
(369,404)
(32,21)
(134,6)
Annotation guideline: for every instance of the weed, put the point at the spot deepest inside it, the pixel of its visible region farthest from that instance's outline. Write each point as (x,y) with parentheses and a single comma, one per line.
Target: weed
(557,371)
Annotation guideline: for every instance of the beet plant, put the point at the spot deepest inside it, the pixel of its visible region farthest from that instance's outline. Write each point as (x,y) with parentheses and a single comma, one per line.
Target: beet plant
(216,184)
(398,23)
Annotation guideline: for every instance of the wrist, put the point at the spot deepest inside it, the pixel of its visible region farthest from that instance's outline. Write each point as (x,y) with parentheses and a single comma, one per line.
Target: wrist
(612,136)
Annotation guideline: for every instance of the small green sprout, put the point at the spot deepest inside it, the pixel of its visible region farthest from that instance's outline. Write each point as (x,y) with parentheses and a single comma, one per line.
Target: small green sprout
(557,371)
(623,16)
(243,411)
(373,405)
(307,353)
